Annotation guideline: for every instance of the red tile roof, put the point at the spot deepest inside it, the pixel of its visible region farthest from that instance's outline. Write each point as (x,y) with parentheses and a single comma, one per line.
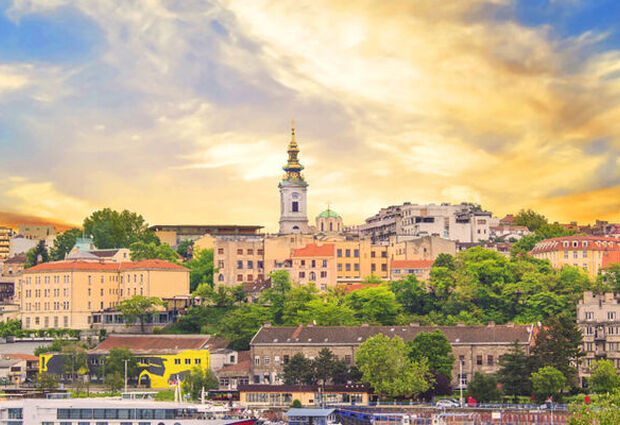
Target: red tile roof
(27,357)
(611,257)
(314,250)
(243,364)
(153,343)
(597,243)
(86,265)
(412,264)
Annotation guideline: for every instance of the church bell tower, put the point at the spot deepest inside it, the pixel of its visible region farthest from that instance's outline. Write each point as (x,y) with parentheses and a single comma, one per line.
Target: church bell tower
(293,187)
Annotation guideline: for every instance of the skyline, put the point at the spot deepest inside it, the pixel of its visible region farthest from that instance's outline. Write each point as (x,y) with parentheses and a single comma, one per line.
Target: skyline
(181,112)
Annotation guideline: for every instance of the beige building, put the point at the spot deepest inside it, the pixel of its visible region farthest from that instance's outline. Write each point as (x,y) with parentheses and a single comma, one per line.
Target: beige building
(403,268)
(314,263)
(598,317)
(64,294)
(478,347)
(37,232)
(173,234)
(5,242)
(592,253)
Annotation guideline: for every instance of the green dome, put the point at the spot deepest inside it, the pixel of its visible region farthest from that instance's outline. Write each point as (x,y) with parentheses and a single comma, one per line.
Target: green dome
(328,213)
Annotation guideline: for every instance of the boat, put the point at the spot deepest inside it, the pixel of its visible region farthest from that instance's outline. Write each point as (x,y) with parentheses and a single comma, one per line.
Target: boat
(107,411)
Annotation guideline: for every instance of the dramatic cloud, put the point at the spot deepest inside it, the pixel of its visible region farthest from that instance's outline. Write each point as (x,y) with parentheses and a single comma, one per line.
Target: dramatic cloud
(180,111)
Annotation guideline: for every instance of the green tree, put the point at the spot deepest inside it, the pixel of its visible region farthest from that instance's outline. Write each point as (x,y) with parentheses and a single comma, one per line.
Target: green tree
(63,243)
(413,295)
(384,364)
(327,313)
(238,326)
(200,269)
(296,404)
(604,410)
(47,380)
(37,255)
(325,366)
(513,367)
(530,219)
(222,296)
(150,250)
(115,363)
(558,343)
(114,382)
(483,388)
(276,296)
(604,378)
(138,308)
(374,305)
(197,379)
(610,277)
(113,229)
(299,371)
(445,260)
(185,248)
(548,382)
(74,360)
(435,348)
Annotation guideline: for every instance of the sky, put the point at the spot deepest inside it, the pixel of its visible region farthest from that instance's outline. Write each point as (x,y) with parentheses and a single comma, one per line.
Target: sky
(181,110)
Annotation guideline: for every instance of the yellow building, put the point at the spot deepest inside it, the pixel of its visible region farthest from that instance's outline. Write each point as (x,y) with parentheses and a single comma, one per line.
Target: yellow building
(64,294)
(592,253)
(162,359)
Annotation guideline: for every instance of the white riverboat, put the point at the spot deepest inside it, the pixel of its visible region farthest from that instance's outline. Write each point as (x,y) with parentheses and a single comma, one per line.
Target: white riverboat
(102,411)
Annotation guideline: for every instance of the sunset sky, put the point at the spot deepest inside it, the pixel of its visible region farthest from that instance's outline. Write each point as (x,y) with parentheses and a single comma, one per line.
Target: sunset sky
(180,110)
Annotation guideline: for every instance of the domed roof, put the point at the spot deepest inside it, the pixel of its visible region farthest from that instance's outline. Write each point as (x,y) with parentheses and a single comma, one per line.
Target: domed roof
(328,213)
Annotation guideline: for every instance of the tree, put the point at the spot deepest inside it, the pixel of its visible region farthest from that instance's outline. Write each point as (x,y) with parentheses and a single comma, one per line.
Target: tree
(296,404)
(238,326)
(74,359)
(138,308)
(114,381)
(222,296)
(46,381)
(197,379)
(200,269)
(115,363)
(483,388)
(374,305)
(604,378)
(445,260)
(604,410)
(150,250)
(558,344)
(298,371)
(435,348)
(37,255)
(514,366)
(113,229)
(63,243)
(185,249)
(327,313)
(385,366)
(530,219)
(547,382)
(276,296)
(610,277)
(412,295)
(325,366)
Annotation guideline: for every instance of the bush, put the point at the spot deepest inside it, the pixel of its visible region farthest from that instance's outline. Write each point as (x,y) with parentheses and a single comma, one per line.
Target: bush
(296,404)
(164,396)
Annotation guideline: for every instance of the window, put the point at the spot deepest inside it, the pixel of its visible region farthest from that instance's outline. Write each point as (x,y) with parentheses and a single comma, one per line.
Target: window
(302,275)
(220,251)
(611,315)
(177,361)
(250,264)
(324,263)
(356,267)
(250,251)
(259,264)
(372,254)
(313,264)
(285,359)
(323,274)
(257,360)
(347,267)
(383,267)
(250,278)
(489,360)
(356,253)
(239,264)
(239,278)
(188,361)
(479,360)
(347,358)
(295,206)
(575,254)
(383,254)
(347,252)
(239,252)
(585,254)
(302,262)
(373,267)
(589,315)
(339,253)
(339,267)
(267,360)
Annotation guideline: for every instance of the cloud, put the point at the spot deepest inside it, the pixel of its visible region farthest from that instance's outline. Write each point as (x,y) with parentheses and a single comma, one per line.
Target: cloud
(181,111)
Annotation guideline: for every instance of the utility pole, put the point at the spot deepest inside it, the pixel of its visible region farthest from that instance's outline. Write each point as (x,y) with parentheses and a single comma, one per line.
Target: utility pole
(461,382)
(126,374)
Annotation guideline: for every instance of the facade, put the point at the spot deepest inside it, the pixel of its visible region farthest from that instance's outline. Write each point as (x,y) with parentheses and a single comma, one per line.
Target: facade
(5,242)
(65,294)
(161,359)
(173,234)
(403,268)
(19,368)
(293,188)
(36,231)
(592,253)
(507,232)
(279,396)
(314,263)
(477,347)
(598,317)
(462,222)
(21,245)
(7,289)
(329,222)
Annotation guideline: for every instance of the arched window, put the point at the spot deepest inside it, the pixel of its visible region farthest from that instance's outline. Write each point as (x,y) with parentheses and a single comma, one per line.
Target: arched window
(331,226)
(322,229)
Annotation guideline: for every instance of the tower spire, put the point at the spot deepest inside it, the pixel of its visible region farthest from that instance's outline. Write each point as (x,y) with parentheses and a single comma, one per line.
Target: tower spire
(293,167)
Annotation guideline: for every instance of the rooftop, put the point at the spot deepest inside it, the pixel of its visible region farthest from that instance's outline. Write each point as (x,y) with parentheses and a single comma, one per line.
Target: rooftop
(154,343)
(315,250)
(85,265)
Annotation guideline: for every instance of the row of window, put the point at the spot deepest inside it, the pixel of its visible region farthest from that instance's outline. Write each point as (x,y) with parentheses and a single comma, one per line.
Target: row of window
(122,413)
(285,359)
(347,253)
(46,322)
(250,278)
(312,263)
(611,315)
(48,279)
(249,251)
(249,264)
(116,278)
(187,361)
(46,306)
(611,330)
(312,275)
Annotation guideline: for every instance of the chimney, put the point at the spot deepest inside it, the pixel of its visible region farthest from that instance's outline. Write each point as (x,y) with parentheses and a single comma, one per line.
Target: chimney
(460,325)
(364,325)
(414,324)
(510,325)
(309,325)
(491,324)
(267,325)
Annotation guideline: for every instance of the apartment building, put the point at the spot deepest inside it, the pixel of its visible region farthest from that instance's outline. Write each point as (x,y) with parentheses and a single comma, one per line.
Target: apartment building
(314,263)
(37,232)
(419,268)
(65,294)
(598,317)
(592,253)
(462,222)
(479,348)
(5,242)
